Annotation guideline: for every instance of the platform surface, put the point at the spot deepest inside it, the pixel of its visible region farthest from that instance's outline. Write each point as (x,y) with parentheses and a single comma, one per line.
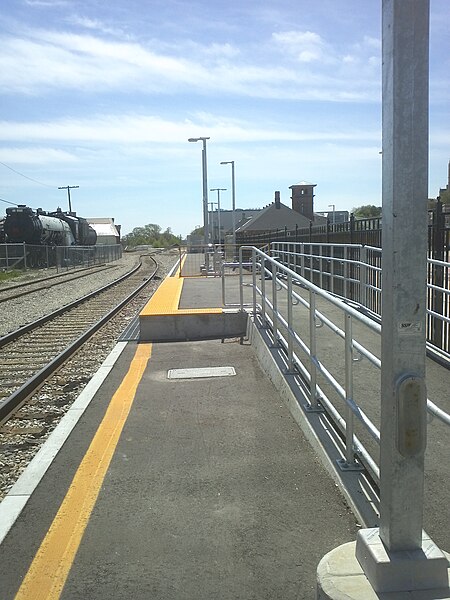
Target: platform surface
(212,491)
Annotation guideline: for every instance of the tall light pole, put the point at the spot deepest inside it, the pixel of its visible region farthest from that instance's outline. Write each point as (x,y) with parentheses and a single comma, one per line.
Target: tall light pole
(212,205)
(333,206)
(233,195)
(205,189)
(218,190)
(68,188)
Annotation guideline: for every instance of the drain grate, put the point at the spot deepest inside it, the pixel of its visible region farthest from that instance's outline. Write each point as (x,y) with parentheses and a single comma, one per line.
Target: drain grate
(201,372)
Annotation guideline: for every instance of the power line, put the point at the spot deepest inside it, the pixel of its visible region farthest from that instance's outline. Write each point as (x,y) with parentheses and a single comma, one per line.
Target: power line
(26,176)
(8,202)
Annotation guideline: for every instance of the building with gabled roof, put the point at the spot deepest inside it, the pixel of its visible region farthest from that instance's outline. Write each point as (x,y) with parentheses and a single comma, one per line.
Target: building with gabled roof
(279,216)
(108,233)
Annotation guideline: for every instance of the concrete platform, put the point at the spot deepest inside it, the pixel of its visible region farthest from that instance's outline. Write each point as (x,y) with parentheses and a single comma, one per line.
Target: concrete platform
(210,491)
(199,315)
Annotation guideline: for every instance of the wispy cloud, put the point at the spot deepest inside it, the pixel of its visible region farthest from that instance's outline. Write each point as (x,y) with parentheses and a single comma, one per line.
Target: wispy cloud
(143,129)
(94,24)
(38,155)
(46,3)
(305,46)
(51,60)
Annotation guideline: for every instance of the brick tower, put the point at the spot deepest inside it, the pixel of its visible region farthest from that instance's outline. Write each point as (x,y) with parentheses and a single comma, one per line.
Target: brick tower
(303,198)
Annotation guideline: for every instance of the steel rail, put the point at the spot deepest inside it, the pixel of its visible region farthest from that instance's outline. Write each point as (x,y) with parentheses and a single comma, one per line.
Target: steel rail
(46,286)
(17,333)
(8,405)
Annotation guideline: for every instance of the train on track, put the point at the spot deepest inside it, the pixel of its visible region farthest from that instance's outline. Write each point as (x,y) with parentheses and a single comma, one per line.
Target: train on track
(23,224)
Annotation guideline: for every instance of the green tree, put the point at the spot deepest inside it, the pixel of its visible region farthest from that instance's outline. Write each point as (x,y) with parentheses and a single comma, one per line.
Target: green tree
(445,196)
(367,211)
(150,235)
(198,231)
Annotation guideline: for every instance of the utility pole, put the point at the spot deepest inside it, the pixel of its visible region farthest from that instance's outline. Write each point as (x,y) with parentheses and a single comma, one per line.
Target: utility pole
(218,190)
(68,188)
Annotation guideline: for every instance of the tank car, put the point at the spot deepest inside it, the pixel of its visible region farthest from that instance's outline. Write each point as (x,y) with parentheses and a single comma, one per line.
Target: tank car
(23,224)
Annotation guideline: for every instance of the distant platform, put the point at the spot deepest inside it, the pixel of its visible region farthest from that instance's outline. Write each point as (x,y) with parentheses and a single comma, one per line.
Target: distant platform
(190,309)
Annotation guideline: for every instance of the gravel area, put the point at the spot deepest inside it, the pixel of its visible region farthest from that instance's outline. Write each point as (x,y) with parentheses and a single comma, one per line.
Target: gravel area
(22,437)
(29,308)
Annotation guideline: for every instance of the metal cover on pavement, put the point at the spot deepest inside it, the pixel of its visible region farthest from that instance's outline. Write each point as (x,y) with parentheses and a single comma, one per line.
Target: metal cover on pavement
(200,372)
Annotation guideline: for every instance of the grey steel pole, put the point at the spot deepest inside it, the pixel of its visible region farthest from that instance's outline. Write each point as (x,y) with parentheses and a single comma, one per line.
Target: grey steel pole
(218,190)
(404,273)
(398,556)
(233,201)
(233,205)
(205,194)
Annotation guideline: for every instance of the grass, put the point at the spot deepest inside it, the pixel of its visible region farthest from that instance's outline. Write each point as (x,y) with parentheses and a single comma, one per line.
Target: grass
(5,275)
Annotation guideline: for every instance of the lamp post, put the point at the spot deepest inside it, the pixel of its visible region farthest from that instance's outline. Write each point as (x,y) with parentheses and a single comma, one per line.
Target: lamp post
(68,188)
(333,206)
(211,207)
(218,190)
(233,196)
(205,189)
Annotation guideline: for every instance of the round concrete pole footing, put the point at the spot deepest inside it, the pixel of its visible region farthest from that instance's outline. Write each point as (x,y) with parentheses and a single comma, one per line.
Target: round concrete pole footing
(340,577)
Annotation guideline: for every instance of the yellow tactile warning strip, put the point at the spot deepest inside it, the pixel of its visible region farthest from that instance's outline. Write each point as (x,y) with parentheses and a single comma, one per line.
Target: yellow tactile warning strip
(51,565)
(166,299)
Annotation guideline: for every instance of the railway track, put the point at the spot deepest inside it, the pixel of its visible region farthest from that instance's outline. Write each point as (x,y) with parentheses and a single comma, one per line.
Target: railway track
(29,355)
(14,291)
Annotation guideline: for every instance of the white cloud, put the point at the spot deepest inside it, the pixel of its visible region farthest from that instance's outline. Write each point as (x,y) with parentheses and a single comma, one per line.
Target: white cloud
(36,155)
(44,61)
(144,129)
(46,3)
(94,24)
(306,46)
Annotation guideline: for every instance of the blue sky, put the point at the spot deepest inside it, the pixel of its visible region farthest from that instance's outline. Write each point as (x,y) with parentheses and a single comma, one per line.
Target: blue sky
(104,94)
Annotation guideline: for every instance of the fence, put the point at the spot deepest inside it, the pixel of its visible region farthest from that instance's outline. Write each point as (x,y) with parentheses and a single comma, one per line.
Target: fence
(353,272)
(366,232)
(300,316)
(26,256)
(207,261)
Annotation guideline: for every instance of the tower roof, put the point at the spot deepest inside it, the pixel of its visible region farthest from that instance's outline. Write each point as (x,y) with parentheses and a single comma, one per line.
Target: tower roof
(302,183)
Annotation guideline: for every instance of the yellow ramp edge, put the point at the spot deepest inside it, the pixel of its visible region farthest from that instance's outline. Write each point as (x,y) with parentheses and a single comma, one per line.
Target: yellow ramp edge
(166,299)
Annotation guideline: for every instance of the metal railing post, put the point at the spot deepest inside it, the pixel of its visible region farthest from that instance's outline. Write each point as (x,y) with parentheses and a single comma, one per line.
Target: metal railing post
(363,275)
(346,272)
(302,259)
(254,281)
(263,292)
(274,304)
(290,325)
(348,463)
(313,400)
(332,257)
(241,281)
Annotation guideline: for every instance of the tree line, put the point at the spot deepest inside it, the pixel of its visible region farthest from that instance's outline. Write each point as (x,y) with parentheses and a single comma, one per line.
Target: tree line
(150,235)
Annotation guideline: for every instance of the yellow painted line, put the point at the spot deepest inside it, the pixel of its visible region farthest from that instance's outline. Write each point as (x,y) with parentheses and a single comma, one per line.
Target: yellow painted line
(51,565)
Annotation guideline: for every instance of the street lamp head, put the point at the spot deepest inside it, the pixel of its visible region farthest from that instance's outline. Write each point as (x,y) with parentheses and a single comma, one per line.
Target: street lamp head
(197,139)
(227,162)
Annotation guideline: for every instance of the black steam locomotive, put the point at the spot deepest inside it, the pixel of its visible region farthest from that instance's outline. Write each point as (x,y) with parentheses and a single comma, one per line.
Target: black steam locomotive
(23,224)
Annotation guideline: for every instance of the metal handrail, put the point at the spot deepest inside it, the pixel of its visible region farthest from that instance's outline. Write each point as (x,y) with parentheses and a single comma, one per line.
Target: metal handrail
(269,312)
(364,287)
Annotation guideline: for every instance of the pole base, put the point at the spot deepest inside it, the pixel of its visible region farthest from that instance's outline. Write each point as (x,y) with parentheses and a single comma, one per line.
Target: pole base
(421,569)
(340,577)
